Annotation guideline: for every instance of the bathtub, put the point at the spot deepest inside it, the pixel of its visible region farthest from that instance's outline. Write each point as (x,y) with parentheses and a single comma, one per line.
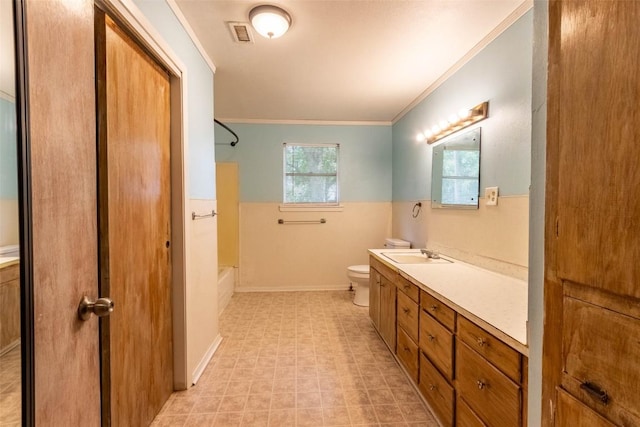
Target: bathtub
(226,286)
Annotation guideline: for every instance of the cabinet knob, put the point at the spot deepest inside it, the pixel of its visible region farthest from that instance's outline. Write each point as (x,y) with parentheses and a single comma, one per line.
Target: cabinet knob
(434,307)
(481,384)
(405,309)
(432,387)
(431,337)
(481,341)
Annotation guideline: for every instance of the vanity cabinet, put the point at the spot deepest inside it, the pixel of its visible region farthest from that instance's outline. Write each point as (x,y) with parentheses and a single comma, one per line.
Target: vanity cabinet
(407,326)
(9,306)
(382,300)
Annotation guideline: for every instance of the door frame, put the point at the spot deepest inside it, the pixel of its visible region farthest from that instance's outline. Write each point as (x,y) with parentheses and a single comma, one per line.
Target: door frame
(130,18)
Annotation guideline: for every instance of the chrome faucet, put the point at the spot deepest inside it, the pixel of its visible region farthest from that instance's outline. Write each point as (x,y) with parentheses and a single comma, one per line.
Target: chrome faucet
(430,254)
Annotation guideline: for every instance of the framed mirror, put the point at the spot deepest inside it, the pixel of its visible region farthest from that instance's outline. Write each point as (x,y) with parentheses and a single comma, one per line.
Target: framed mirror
(455,179)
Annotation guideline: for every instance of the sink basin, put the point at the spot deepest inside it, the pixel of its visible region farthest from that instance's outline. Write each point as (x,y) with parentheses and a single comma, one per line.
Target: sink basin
(413,258)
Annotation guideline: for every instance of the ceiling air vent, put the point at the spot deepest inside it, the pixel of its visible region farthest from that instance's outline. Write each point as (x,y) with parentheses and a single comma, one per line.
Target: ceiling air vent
(241,32)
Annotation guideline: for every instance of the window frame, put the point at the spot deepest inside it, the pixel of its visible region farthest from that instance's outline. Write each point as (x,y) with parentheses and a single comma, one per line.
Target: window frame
(309,205)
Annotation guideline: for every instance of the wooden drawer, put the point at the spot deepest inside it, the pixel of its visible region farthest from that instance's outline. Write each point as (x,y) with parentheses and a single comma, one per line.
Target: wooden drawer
(437,391)
(492,395)
(408,354)
(601,353)
(491,348)
(9,273)
(438,310)
(408,312)
(570,410)
(465,417)
(411,290)
(383,269)
(437,342)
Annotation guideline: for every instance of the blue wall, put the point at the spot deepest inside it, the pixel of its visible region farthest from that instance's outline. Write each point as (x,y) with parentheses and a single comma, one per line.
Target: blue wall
(8,150)
(501,74)
(365,158)
(201,156)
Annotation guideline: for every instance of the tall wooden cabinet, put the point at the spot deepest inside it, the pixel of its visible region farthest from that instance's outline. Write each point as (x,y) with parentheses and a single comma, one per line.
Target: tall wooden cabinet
(592,236)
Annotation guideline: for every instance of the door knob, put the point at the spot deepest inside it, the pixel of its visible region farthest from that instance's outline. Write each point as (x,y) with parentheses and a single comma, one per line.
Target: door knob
(100,307)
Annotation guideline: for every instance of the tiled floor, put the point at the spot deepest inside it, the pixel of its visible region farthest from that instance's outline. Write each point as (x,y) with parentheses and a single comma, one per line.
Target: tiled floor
(298,359)
(10,386)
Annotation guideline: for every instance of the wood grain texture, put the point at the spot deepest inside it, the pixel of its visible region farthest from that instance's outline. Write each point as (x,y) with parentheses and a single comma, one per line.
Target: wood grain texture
(599,130)
(498,353)
(591,211)
(572,413)
(602,347)
(388,312)
(408,312)
(137,209)
(408,354)
(439,394)
(444,314)
(374,297)
(411,290)
(437,342)
(63,172)
(9,306)
(465,417)
(383,269)
(497,402)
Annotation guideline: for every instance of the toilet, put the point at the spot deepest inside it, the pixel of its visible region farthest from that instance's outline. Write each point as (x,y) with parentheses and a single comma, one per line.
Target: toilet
(359,274)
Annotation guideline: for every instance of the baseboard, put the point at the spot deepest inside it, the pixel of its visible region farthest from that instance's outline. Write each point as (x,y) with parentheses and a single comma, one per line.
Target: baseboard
(296,288)
(206,359)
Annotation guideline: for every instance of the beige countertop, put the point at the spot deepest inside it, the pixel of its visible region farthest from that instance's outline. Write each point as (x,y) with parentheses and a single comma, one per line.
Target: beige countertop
(494,301)
(6,261)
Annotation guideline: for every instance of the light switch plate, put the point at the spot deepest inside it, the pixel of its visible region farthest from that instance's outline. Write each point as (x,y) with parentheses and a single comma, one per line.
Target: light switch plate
(491,196)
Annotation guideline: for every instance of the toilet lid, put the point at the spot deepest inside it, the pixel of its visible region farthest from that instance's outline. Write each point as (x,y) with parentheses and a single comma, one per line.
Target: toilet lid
(362,269)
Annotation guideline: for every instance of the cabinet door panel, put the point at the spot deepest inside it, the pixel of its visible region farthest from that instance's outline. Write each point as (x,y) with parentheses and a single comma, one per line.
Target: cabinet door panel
(598,208)
(491,395)
(438,310)
(408,315)
(408,354)
(465,417)
(374,298)
(601,347)
(411,290)
(437,342)
(571,413)
(388,312)
(437,391)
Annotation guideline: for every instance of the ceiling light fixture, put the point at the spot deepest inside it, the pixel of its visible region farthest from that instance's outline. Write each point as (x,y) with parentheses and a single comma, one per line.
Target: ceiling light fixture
(270,21)
(463,119)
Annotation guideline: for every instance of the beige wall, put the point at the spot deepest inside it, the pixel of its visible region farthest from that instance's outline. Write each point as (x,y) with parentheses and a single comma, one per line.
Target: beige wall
(201,292)
(493,237)
(309,256)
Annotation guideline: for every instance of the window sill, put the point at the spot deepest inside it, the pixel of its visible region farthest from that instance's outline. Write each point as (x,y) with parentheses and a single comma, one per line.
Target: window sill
(311,208)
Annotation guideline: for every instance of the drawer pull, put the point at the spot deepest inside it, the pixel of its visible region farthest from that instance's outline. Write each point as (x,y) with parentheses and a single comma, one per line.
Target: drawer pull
(407,349)
(434,307)
(431,337)
(406,287)
(405,309)
(481,341)
(432,387)
(384,285)
(595,392)
(481,384)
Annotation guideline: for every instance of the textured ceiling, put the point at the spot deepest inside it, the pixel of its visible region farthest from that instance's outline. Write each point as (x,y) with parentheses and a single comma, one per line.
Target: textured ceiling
(358,60)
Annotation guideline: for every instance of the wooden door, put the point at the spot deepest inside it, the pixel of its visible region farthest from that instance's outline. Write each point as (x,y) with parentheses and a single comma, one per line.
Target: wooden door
(388,312)
(592,237)
(62,180)
(134,212)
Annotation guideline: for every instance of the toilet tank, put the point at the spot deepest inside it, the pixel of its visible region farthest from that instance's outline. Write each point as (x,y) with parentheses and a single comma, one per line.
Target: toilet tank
(393,243)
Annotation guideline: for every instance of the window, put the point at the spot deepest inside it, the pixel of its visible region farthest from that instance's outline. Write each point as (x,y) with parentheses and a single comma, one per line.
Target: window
(311,174)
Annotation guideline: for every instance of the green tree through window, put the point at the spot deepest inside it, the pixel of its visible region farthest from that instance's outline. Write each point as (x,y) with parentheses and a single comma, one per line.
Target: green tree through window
(311,173)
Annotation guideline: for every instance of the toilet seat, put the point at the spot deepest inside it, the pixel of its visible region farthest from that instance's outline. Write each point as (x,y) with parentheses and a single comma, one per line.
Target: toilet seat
(358,271)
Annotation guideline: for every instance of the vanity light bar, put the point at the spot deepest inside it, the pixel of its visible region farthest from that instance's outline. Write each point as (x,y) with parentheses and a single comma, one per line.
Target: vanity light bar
(463,119)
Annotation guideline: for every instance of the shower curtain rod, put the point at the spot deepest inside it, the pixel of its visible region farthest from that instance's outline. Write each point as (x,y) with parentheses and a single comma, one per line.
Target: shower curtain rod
(233,143)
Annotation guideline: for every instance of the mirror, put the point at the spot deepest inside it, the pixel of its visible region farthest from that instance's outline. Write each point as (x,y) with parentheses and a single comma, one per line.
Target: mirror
(455,178)
(10,336)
